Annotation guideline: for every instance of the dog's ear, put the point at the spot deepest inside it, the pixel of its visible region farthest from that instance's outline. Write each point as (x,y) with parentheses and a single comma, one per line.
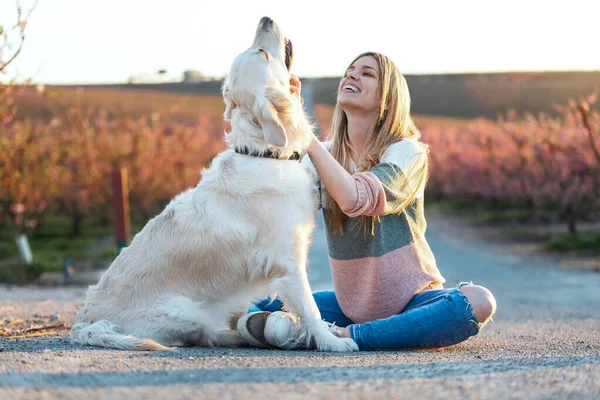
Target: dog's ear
(274,114)
(229,104)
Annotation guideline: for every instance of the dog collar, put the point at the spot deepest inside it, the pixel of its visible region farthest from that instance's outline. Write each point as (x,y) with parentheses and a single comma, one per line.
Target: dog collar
(267,154)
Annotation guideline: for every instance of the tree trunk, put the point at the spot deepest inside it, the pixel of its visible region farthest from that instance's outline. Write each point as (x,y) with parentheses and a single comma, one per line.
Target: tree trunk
(571,220)
(104,216)
(494,203)
(76,222)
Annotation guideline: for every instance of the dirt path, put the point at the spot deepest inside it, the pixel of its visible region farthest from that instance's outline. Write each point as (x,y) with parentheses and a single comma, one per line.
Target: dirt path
(545,343)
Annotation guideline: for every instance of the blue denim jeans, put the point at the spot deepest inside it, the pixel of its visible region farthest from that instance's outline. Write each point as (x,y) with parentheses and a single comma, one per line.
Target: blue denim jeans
(432,319)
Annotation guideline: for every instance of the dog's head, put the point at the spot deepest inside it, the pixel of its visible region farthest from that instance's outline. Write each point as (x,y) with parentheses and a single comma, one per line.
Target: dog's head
(257,97)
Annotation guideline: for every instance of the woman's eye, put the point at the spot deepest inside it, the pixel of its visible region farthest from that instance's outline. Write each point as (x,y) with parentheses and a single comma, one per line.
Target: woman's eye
(367,74)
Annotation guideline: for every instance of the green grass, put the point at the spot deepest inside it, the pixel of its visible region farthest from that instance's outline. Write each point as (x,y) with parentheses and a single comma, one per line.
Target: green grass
(20,273)
(502,216)
(448,206)
(519,214)
(478,212)
(504,207)
(51,246)
(59,226)
(589,242)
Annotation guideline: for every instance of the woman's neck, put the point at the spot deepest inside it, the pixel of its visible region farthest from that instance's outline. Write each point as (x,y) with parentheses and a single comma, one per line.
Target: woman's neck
(360,129)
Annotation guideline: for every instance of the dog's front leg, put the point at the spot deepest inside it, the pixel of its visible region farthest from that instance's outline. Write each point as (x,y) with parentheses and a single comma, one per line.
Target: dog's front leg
(294,291)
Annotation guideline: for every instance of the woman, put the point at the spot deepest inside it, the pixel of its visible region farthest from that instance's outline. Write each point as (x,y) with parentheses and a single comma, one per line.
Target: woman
(388,290)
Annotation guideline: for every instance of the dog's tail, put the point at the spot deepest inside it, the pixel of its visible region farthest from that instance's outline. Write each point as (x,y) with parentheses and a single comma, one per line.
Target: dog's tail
(104,334)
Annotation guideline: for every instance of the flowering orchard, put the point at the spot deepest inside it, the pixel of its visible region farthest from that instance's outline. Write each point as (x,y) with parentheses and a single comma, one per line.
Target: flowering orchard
(541,163)
(59,160)
(63,165)
(544,166)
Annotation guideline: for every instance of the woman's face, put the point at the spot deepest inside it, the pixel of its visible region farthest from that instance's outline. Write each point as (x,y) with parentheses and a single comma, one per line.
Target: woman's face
(359,89)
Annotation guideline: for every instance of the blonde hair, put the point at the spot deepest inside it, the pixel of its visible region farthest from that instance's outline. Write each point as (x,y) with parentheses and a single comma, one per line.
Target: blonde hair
(393,125)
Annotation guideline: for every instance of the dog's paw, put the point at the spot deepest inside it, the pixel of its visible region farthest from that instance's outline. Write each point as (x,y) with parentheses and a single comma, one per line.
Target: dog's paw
(338,345)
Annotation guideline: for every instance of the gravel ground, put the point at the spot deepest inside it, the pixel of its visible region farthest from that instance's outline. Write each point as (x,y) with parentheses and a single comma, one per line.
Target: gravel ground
(544,343)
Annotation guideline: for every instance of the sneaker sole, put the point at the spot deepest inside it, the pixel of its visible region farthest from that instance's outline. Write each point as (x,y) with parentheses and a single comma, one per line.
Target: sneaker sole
(251,328)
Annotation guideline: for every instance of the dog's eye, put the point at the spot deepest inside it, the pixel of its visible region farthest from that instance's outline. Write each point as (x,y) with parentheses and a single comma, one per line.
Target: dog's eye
(264,53)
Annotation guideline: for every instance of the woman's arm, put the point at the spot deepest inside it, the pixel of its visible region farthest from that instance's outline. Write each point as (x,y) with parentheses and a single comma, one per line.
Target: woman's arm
(387,188)
(338,182)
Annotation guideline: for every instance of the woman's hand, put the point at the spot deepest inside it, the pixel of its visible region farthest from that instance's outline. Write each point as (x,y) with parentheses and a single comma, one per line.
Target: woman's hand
(295,86)
(338,182)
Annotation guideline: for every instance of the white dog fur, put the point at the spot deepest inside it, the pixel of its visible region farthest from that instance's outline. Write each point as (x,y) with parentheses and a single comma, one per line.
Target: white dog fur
(241,234)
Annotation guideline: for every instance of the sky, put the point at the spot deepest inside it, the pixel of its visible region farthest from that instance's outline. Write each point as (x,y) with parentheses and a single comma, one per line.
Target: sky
(109,41)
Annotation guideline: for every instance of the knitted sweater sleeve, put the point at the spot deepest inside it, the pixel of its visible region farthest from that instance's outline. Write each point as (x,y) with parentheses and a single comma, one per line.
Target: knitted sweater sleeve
(383,188)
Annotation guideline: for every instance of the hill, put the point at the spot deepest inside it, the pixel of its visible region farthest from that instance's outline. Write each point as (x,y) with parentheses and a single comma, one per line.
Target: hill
(451,95)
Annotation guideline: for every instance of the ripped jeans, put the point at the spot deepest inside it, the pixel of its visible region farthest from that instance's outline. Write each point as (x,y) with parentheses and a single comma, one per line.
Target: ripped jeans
(432,319)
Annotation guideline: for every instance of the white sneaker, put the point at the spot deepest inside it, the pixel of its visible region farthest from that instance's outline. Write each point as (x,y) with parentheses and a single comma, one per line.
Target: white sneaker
(284,330)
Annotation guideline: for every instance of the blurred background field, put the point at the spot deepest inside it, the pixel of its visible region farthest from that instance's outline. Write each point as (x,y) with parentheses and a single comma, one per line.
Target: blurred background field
(516,154)
(532,177)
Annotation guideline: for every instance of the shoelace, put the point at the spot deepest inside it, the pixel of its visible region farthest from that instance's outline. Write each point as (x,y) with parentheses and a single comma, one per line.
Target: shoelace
(333,328)
(301,337)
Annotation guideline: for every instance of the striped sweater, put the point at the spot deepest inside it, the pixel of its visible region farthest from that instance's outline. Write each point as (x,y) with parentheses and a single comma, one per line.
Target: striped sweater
(376,276)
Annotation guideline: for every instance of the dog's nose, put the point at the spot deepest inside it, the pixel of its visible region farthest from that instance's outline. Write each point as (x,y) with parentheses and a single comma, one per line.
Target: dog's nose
(266,21)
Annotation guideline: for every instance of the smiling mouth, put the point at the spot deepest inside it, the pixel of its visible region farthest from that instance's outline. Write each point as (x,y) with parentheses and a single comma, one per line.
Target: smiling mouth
(350,88)
(289,53)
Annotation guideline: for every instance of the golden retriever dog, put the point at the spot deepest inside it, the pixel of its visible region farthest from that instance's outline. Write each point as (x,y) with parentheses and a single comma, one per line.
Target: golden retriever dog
(241,234)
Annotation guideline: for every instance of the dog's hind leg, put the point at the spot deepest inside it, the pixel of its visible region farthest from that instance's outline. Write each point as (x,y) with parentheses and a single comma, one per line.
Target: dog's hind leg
(228,338)
(185,322)
(181,321)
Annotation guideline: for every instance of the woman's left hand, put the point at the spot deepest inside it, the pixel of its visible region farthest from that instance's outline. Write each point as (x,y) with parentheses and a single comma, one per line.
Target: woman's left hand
(295,86)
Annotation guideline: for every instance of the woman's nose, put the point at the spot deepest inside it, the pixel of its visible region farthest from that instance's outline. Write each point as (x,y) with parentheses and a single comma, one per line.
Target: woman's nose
(351,75)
